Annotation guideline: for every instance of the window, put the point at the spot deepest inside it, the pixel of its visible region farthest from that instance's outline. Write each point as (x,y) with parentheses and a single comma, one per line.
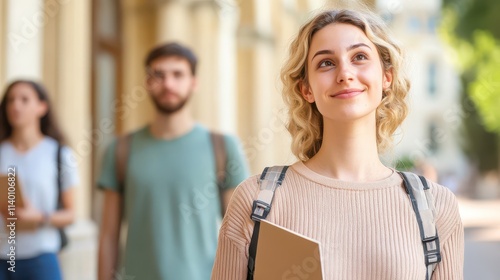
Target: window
(414,24)
(432,78)
(434,138)
(432,24)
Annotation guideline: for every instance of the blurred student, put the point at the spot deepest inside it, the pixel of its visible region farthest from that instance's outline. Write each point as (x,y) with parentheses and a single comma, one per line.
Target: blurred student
(31,141)
(162,179)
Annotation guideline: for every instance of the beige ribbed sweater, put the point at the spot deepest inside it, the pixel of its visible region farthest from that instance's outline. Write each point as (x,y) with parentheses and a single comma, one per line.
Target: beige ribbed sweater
(366,230)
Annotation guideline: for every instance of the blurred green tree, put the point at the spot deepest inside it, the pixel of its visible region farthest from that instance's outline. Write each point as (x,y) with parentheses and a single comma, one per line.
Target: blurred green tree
(471,29)
(405,163)
(474,15)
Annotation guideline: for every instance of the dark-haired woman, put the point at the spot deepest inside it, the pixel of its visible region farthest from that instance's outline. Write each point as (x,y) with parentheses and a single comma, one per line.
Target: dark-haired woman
(30,141)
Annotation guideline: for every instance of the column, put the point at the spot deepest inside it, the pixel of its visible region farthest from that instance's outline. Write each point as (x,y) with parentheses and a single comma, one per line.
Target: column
(256,83)
(173,21)
(287,19)
(3,42)
(25,21)
(228,18)
(139,36)
(72,104)
(73,87)
(205,103)
(51,48)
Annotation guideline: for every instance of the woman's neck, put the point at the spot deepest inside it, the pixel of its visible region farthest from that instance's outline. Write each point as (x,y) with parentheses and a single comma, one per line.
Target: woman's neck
(349,152)
(23,139)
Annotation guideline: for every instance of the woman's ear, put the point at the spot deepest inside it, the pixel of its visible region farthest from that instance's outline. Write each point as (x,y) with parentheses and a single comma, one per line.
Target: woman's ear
(43,108)
(387,79)
(306,92)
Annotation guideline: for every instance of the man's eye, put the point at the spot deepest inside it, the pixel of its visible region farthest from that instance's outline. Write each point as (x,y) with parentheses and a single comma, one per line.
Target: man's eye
(178,74)
(158,75)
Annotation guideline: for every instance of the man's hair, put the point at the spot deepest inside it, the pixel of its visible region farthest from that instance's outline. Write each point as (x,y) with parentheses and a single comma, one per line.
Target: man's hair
(172,49)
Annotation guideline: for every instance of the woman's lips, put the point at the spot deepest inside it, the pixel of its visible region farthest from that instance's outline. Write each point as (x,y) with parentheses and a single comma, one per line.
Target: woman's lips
(347,93)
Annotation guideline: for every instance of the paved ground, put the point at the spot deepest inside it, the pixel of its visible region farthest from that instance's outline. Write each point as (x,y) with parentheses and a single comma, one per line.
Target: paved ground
(482,239)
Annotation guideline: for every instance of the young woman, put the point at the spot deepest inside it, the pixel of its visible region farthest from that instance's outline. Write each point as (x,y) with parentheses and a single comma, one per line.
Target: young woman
(29,141)
(345,91)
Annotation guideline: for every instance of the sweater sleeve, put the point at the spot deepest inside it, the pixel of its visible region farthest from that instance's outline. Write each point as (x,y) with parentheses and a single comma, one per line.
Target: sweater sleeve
(451,235)
(231,259)
(452,256)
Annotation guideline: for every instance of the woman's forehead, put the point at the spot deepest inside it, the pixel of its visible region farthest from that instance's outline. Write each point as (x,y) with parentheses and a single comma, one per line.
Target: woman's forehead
(338,36)
(22,89)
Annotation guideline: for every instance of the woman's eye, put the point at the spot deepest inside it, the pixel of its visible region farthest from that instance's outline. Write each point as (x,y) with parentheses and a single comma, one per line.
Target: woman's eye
(360,56)
(326,63)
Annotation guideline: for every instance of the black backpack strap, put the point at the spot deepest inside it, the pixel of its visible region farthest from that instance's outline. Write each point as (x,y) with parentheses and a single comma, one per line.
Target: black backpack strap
(59,177)
(220,155)
(423,204)
(270,179)
(122,152)
(62,233)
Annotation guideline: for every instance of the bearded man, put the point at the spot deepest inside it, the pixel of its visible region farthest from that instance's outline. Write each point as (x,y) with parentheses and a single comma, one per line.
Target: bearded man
(164,182)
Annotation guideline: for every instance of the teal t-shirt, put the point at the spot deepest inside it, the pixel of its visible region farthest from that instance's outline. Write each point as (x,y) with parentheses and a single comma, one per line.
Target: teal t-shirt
(172,203)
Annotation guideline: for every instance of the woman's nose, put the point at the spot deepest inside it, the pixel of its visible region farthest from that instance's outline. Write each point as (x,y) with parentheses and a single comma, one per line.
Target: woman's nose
(344,73)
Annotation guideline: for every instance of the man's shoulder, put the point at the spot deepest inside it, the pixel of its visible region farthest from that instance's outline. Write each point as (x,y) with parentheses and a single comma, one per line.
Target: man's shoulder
(130,137)
(136,132)
(231,141)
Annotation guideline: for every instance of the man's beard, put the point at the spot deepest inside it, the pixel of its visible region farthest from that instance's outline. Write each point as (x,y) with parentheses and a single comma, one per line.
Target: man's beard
(171,108)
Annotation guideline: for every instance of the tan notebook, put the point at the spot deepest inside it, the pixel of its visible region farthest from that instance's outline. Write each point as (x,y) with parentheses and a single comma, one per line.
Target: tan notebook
(284,254)
(4,194)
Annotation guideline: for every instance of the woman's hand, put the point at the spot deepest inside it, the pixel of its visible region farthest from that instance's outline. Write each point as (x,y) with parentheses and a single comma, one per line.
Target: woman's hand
(29,218)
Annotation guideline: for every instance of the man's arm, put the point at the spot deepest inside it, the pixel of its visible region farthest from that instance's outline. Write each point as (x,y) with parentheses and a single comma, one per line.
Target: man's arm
(236,168)
(110,234)
(227,197)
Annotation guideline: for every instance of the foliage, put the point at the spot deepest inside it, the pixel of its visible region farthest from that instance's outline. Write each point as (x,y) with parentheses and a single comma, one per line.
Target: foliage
(476,53)
(405,163)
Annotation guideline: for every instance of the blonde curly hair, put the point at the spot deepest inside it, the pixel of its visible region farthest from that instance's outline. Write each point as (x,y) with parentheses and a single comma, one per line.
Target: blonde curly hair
(305,121)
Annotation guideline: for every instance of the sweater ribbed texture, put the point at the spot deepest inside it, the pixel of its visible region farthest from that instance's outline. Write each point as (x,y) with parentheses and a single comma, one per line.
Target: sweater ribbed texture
(366,230)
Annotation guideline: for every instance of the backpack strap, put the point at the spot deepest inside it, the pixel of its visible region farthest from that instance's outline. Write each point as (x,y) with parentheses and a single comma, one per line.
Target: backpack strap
(270,179)
(62,233)
(220,163)
(423,204)
(121,154)
(59,179)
